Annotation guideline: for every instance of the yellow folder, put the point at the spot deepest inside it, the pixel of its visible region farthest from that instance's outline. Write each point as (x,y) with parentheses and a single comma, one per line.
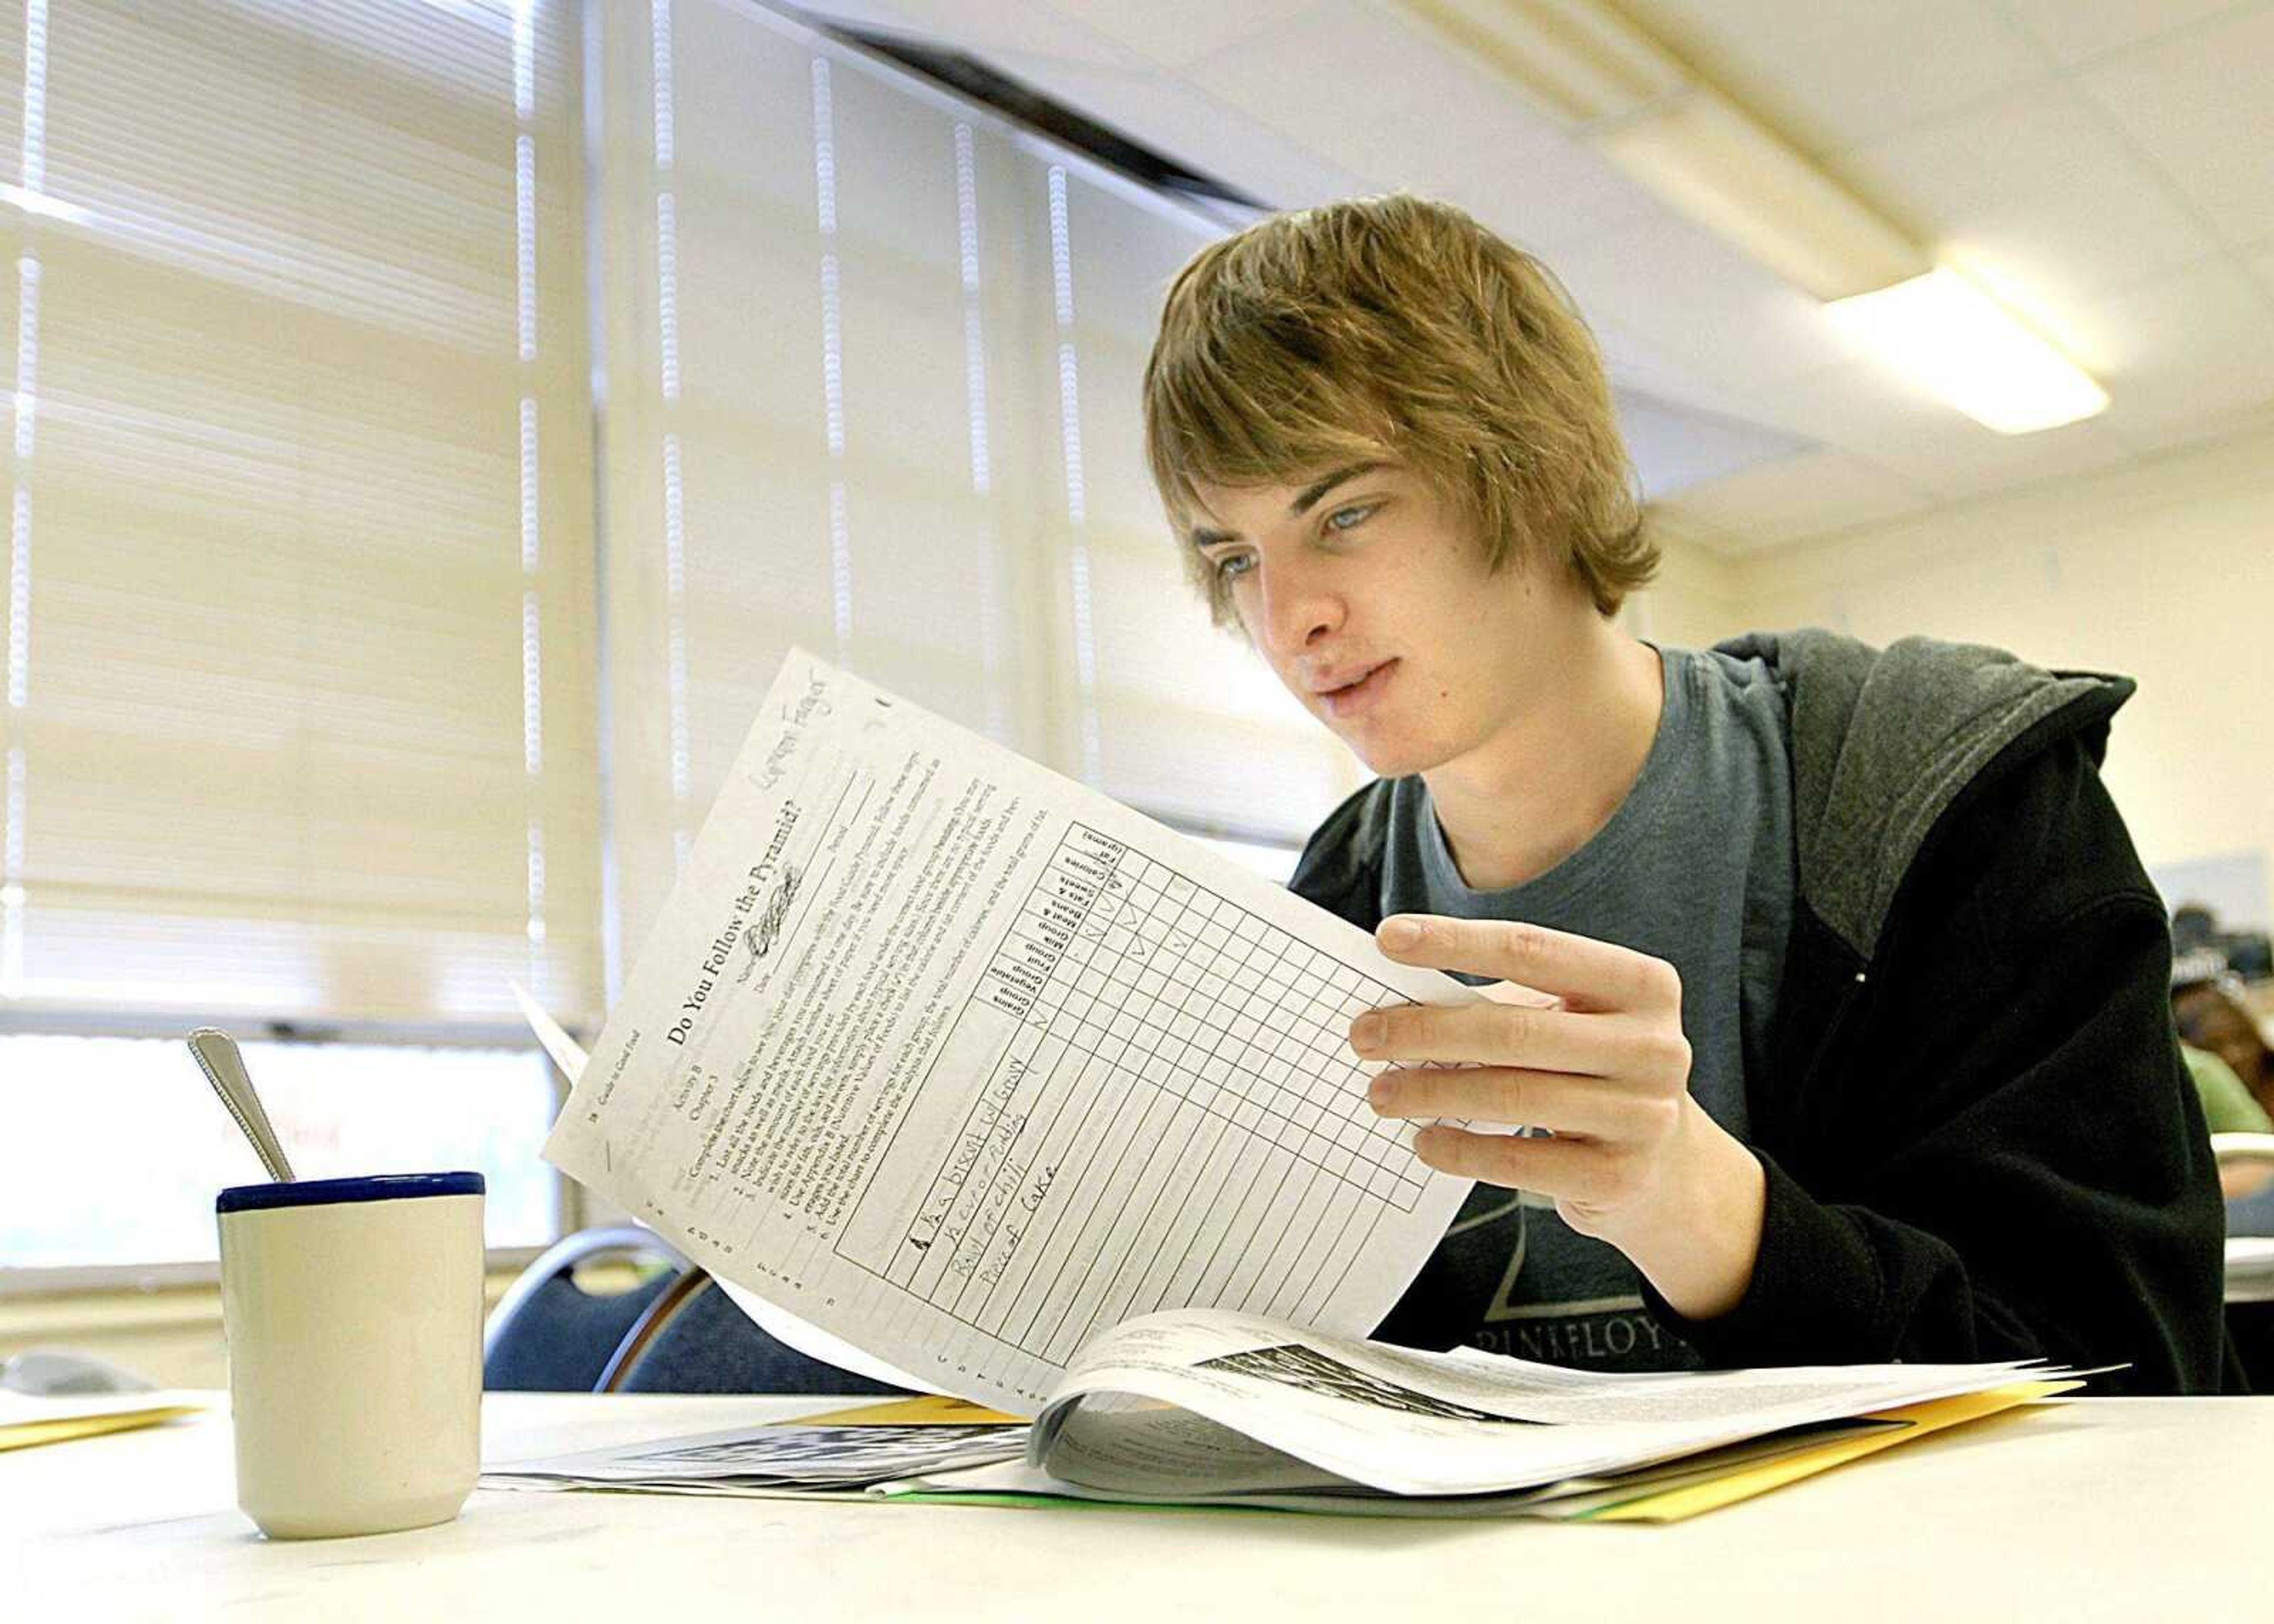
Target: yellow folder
(25,1434)
(1744,1481)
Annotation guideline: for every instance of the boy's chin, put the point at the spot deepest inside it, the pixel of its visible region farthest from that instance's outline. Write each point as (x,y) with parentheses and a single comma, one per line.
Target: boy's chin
(1392,758)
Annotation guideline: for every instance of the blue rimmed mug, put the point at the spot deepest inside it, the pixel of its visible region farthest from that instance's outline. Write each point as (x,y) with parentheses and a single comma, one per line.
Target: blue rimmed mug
(353,1308)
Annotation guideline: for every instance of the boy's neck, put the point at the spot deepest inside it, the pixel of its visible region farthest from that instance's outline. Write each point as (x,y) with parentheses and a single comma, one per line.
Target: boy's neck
(1537,791)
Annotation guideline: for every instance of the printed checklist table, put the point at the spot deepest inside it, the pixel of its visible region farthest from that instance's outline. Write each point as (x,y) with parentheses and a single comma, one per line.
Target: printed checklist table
(1176,1056)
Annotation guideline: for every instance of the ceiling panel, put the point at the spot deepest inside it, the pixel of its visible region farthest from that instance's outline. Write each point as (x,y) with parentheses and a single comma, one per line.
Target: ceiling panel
(1806,495)
(1827,76)
(1178,32)
(1676,448)
(1392,105)
(1977,461)
(1689,294)
(2187,354)
(2199,106)
(1639,366)
(2037,186)
(1864,408)
(2075,31)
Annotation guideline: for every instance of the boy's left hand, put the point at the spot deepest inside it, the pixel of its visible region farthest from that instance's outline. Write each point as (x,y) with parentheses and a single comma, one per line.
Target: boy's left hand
(1635,1160)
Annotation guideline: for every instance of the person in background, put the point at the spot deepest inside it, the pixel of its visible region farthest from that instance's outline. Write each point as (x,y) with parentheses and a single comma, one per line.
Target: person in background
(2228,1107)
(1859,1046)
(2214,1022)
(2212,1019)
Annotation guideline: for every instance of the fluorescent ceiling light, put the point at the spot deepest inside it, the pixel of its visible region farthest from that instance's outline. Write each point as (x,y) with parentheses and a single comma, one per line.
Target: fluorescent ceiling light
(1958,342)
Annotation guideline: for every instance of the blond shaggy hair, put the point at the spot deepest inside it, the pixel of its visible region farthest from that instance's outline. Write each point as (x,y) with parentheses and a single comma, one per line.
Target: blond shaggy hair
(1395,328)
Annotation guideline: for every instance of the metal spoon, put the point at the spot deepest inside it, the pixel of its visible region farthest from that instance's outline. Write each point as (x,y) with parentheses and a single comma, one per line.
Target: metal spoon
(224,1069)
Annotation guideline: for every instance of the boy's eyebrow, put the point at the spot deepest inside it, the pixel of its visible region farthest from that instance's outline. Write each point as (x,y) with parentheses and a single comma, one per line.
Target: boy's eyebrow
(1318,488)
(1307,499)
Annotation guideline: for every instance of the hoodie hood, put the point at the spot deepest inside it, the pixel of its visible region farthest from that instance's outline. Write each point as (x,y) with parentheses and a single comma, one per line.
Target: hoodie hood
(1885,741)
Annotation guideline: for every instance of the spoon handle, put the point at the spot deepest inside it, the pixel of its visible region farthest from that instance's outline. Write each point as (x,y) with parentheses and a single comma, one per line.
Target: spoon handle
(224,1069)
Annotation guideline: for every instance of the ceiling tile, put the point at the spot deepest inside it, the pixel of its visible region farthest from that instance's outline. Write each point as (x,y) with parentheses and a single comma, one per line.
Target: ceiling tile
(1879,414)
(2075,31)
(1639,366)
(1829,76)
(1812,494)
(1692,295)
(1176,32)
(2198,106)
(1393,105)
(1675,447)
(2184,357)
(2036,187)
(1977,461)
(2177,433)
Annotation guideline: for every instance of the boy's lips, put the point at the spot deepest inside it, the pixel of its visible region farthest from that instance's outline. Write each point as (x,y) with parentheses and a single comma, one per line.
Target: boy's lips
(1361,689)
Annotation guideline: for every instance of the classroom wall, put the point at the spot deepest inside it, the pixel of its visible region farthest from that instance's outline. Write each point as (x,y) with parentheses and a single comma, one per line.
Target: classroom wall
(1696,599)
(2164,572)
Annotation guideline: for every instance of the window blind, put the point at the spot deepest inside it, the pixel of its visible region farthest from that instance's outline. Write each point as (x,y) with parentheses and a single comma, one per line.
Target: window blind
(872,361)
(811,351)
(1177,717)
(299,716)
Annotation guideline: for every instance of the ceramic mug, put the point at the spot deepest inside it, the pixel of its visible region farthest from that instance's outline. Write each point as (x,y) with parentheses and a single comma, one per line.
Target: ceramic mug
(353,1308)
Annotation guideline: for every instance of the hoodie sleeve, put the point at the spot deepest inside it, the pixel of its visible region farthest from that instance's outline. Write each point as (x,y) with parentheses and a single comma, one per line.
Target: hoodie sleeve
(1996,1151)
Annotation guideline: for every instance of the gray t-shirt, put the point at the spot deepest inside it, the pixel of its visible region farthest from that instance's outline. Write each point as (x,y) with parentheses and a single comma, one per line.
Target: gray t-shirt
(1696,868)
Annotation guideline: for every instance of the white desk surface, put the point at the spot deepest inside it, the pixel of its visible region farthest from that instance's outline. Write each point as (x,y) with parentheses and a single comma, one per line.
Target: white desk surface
(2121,1510)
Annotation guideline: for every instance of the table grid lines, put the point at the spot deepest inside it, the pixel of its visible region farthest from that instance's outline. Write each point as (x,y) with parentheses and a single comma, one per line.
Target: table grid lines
(1197,1061)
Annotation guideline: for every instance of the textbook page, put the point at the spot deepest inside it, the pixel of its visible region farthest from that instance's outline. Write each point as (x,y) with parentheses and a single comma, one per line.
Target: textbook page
(1409,1422)
(962,1063)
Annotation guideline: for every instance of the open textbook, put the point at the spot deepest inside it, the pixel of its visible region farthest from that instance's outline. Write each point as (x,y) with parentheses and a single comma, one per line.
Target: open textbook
(959,1063)
(1210,1407)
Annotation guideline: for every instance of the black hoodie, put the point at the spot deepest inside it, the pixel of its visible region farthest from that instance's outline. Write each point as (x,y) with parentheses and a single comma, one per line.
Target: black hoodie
(1979,1138)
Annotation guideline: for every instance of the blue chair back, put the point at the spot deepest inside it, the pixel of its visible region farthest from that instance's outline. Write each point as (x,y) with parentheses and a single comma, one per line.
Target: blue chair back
(549,1334)
(701,1342)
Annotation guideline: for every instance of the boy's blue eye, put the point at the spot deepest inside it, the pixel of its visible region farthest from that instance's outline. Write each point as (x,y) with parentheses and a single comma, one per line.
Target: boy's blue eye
(1350,518)
(1233,564)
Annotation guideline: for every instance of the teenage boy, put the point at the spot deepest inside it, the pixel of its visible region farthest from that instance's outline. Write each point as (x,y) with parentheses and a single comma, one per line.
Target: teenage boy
(1860,1049)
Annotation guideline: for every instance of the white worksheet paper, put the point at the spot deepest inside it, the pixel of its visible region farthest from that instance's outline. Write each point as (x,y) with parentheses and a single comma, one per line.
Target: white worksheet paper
(962,1063)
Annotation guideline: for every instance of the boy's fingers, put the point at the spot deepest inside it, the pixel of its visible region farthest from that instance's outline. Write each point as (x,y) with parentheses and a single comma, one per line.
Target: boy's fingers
(1585,974)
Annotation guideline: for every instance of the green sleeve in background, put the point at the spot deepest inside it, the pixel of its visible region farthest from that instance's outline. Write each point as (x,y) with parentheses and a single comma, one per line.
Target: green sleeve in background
(2226,1104)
